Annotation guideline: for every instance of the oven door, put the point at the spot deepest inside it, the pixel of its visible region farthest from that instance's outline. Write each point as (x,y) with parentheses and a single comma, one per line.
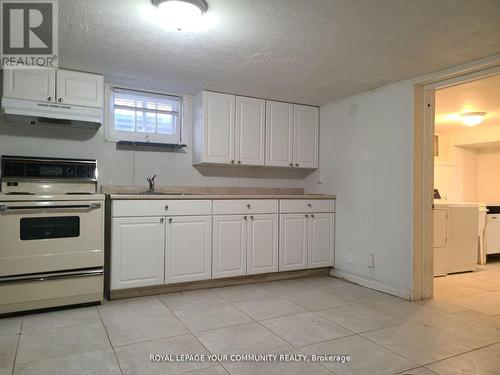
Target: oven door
(50,236)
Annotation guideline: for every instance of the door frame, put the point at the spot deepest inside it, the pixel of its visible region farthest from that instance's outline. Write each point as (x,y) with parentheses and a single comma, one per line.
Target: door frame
(423,164)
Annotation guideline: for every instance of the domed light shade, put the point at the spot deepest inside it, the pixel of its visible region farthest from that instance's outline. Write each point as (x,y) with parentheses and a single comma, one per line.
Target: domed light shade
(472,118)
(180,14)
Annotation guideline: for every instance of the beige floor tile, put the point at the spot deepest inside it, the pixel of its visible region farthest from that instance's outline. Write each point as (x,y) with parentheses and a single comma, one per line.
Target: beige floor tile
(316,299)
(479,317)
(10,326)
(6,371)
(215,370)
(8,345)
(137,320)
(182,300)
(478,303)
(359,318)
(61,342)
(243,292)
(395,307)
(267,308)
(482,361)
(134,358)
(466,332)
(354,293)
(201,318)
(366,357)
(58,319)
(418,371)
(440,305)
(90,363)
(246,338)
(417,343)
(305,329)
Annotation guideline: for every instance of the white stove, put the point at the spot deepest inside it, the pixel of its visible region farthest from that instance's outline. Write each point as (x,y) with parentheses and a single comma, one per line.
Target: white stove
(52,231)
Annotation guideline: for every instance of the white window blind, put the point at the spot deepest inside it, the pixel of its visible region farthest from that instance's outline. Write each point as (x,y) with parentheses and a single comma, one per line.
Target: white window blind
(145,117)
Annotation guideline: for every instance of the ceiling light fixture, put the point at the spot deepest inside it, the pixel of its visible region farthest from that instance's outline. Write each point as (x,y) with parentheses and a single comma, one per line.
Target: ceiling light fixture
(180,14)
(472,118)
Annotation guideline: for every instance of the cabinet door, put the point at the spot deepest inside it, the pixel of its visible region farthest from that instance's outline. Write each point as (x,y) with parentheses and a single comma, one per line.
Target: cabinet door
(279,134)
(137,252)
(250,131)
(218,117)
(320,236)
(293,242)
(439,227)
(262,248)
(306,136)
(188,248)
(229,246)
(79,88)
(30,84)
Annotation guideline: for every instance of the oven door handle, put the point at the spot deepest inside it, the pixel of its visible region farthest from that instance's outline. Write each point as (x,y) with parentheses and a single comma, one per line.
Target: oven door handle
(50,206)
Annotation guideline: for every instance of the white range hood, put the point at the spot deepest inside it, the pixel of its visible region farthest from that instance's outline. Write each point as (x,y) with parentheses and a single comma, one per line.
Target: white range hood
(34,113)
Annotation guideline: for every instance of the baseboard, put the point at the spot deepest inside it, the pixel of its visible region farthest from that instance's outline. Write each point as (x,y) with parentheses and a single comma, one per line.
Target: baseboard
(381,286)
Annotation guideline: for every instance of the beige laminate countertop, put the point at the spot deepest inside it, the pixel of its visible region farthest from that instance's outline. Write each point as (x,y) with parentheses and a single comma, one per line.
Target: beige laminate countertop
(128,196)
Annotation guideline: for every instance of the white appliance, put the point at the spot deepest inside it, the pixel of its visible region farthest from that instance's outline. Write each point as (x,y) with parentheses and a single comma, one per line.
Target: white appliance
(483,210)
(492,230)
(34,113)
(52,233)
(455,237)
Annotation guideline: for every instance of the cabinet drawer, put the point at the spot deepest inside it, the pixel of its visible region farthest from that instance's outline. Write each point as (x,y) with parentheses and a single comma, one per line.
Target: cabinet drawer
(307,205)
(245,206)
(161,207)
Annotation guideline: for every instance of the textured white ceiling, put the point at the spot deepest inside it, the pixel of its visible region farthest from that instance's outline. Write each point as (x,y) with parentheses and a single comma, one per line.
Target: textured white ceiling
(482,95)
(308,51)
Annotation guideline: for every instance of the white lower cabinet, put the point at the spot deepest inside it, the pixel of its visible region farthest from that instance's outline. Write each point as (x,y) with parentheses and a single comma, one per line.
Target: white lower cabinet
(229,246)
(137,252)
(188,248)
(293,242)
(262,244)
(320,249)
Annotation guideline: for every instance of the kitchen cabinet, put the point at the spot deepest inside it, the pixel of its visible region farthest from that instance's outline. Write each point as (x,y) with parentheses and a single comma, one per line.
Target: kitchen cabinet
(77,88)
(30,84)
(320,236)
(55,86)
(293,242)
(229,245)
(306,136)
(188,248)
(137,252)
(250,131)
(262,244)
(214,128)
(279,134)
(292,135)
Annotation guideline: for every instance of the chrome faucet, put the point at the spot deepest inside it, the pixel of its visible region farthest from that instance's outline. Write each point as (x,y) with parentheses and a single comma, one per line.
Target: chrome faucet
(151,181)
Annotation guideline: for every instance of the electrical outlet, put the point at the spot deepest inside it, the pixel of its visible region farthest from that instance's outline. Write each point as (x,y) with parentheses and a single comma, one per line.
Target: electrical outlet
(371,260)
(320,177)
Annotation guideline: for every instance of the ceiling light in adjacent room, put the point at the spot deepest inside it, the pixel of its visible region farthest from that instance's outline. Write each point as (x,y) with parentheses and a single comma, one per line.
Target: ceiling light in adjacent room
(472,118)
(180,14)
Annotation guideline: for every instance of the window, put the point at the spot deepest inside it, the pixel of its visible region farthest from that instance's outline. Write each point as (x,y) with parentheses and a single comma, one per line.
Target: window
(144,117)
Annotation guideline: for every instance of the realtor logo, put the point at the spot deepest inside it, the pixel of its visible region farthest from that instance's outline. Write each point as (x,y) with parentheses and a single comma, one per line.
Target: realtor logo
(29,34)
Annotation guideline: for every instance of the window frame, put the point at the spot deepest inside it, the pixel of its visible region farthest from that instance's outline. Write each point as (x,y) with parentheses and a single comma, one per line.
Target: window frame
(114,135)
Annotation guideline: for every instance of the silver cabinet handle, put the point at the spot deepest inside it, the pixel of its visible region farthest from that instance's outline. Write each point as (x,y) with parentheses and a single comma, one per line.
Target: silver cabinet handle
(291,164)
(239,161)
(307,216)
(162,220)
(60,100)
(232,161)
(249,206)
(312,216)
(296,165)
(251,217)
(309,205)
(170,220)
(166,207)
(49,98)
(244,217)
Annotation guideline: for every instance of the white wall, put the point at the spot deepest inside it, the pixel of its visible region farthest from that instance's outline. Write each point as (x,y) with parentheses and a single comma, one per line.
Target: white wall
(488,173)
(129,166)
(367,160)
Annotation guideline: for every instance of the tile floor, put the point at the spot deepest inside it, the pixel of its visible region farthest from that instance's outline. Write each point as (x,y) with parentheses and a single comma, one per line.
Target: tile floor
(456,333)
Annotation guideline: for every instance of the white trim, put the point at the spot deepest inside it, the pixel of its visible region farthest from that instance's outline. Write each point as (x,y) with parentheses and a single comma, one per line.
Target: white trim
(381,286)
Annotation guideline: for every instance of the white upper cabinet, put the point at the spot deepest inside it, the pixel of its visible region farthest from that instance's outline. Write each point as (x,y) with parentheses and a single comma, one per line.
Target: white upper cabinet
(56,86)
(77,88)
(214,128)
(306,136)
(30,84)
(250,131)
(279,134)
(188,248)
